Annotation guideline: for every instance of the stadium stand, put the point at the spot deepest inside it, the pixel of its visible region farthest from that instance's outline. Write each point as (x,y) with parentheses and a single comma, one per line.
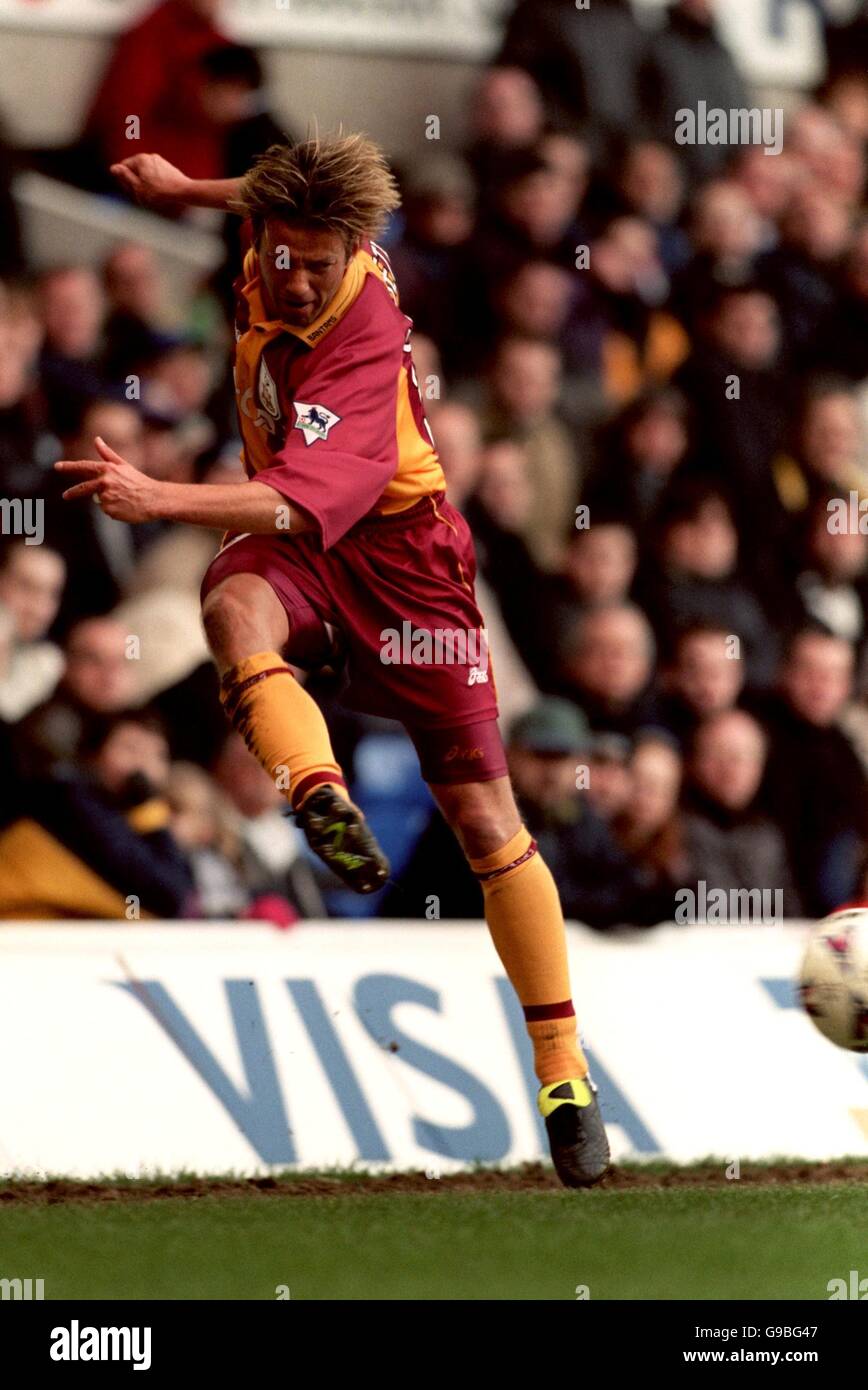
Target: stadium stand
(647,367)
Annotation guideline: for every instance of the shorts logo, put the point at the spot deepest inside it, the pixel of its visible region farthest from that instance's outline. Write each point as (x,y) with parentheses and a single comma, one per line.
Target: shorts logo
(477,676)
(464,755)
(314,421)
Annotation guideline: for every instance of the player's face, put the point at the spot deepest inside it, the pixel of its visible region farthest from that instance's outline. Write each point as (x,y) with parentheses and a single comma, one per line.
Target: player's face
(301,268)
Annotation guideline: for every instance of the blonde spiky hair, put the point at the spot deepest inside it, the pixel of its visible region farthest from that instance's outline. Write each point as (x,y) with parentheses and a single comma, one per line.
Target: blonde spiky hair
(339,182)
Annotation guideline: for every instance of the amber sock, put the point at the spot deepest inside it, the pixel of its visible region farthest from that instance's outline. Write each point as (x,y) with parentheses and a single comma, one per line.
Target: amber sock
(281,725)
(524,916)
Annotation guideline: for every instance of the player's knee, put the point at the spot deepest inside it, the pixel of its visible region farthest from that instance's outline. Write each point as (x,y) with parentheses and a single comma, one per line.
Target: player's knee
(239,621)
(222,621)
(482,816)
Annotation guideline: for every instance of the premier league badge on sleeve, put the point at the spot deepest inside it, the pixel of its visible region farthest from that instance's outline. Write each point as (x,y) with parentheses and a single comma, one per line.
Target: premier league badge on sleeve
(314,421)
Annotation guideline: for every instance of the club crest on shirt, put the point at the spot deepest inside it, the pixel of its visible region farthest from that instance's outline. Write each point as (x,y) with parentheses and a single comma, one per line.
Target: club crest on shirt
(314,421)
(266,390)
(384,266)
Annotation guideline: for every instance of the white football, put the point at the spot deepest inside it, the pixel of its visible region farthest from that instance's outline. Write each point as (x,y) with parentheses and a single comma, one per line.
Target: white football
(834,978)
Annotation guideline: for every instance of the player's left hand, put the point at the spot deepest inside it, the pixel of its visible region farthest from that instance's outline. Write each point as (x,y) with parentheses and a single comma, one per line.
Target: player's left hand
(121,490)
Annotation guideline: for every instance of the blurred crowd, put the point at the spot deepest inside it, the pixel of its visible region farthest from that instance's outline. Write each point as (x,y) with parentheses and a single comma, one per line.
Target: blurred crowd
(645,366)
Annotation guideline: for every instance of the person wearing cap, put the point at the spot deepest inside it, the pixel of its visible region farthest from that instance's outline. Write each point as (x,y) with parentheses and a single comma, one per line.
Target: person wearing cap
(551,755)
(609,783)
(429,259)
(548,750)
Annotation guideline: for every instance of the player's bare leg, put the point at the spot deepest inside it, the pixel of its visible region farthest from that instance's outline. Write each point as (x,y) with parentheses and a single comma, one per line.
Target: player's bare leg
(524,916)
(248,632)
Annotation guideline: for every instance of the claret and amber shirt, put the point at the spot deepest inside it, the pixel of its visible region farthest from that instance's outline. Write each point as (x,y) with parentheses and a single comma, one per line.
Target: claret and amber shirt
(330,414)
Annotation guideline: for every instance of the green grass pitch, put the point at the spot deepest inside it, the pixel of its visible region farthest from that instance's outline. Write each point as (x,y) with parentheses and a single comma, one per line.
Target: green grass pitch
(762,1240)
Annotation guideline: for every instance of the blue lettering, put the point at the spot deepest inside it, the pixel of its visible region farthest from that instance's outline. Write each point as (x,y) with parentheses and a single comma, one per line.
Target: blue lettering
(487,1138)
(615,1106)
(260,1115)
(348,1093)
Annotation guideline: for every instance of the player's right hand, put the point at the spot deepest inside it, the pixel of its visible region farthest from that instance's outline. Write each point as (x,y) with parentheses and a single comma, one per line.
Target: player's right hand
(151,179)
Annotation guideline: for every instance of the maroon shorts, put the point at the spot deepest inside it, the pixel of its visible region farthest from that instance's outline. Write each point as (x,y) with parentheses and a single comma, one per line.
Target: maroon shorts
(398,590)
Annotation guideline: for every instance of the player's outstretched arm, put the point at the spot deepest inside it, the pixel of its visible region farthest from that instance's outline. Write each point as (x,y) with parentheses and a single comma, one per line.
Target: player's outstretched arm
(152,180)
(129,495)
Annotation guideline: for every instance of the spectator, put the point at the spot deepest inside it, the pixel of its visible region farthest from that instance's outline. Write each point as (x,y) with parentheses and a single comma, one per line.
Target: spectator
(532,213)
(598,883)
(650,185)
(608,775)
(643,342)
(23,413)
(687,64)
(729,845)
(608,668)
(459,447)
(522,404)
(641,450)
(831,584)
(155,72)
(567,154)
(699,579)
(232,96)
(740,395)
(12,257)
(272,852)
(31,583)
(429,260)
(98,680)
(206,827)
(705,678)
(815,786)
(829,153)
(805,268)
(600,563)
(203,826)
(505,491)
(499,514)
(599,568)
(506,116)
(841,343)
(771,184)
(829,447)
(545,301)
(100,552)
(72,308)
(136,320)
(649,825)
(569,54)
(846,97)
(727,237)
(96,843)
